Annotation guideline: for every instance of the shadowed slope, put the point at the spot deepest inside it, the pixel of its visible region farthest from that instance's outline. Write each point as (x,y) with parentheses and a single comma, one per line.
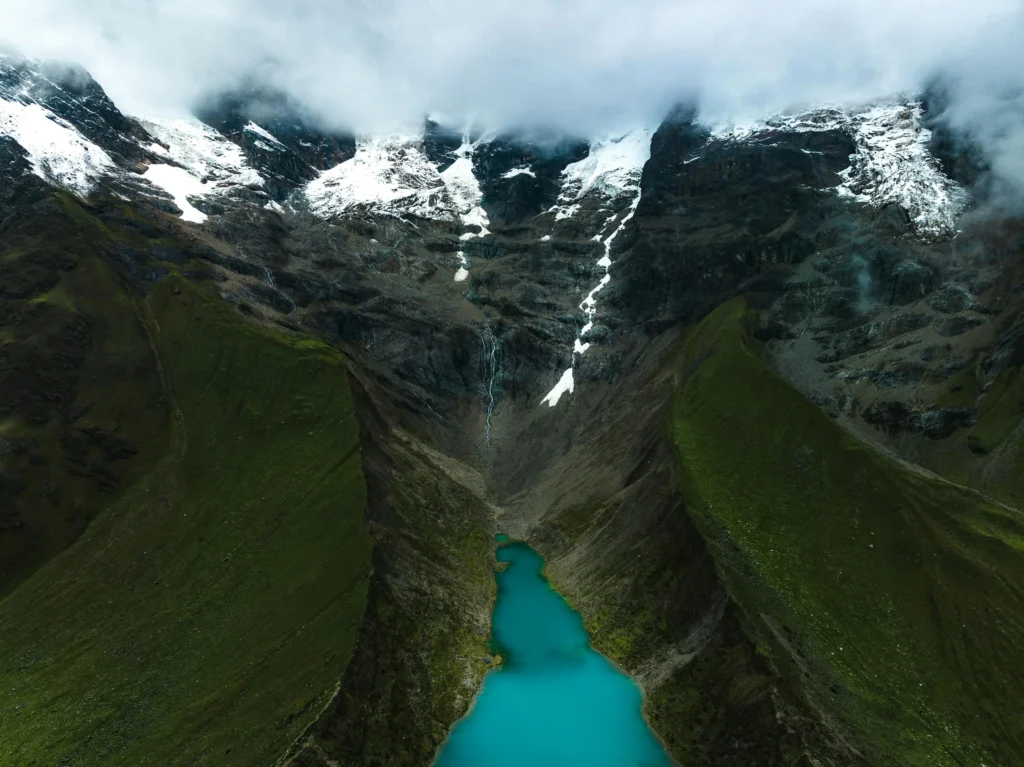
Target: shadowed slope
(894,595)
(221,596)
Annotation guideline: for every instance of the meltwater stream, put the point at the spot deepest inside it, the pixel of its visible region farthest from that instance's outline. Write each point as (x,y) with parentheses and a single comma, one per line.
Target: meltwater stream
(554,702)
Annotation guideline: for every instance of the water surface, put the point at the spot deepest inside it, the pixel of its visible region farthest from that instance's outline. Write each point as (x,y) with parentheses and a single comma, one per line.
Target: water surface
(554,702)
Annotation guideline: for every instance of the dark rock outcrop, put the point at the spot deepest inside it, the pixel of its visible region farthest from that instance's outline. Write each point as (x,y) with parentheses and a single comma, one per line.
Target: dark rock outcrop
(73,95)
(295,151)
(937,423)
(716,213)
(520,175)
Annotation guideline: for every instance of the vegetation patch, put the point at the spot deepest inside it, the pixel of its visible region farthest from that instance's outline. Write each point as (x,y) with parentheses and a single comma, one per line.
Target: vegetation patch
(207,615)
(83,414)
(893,597)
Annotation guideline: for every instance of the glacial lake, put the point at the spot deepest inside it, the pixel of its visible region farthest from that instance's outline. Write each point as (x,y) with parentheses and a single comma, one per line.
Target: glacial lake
(554,702)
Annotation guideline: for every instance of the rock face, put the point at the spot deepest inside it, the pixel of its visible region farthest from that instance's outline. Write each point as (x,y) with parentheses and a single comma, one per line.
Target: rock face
(513,308)
(278,140)
(934,424)
(716,212)
(521,177)
(70,94)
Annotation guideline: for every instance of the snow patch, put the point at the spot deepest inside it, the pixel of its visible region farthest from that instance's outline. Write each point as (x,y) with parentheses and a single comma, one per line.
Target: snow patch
(392,175)
(891,164)
(523,171)
(203,152)
(389,175)
(612,168)
(58,152)
(254,128)
(565,384)
(466,195)
(180,184)
(463,270)
(589,306)
(565,211)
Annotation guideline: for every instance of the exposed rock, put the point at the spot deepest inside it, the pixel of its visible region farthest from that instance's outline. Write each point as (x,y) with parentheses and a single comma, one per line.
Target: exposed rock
(1008,351)
(955,326)
(937,423)
(278,137)
(713,213)
(520,175)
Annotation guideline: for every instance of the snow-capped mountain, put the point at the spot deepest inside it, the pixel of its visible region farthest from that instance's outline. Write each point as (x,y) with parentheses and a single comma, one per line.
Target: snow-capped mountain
(200,163)
(75,138)
(891,165)
(57,151)
(389,175)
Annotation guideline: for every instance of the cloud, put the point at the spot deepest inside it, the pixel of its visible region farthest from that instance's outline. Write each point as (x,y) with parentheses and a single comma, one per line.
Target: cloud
(572,64)
(983,84)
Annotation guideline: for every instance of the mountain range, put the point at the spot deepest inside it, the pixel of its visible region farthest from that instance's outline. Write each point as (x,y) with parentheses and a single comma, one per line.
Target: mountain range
(268,391)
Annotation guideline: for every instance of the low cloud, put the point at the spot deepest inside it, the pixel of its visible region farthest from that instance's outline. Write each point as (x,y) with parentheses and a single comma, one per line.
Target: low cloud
(983,93)
(582,65)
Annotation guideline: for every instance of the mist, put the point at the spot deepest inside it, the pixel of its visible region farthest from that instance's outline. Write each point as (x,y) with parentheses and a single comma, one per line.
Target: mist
(578,65)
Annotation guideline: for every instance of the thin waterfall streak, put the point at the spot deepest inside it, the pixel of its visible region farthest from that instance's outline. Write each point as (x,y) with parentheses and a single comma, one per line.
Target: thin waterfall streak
(270,281)
(492,369)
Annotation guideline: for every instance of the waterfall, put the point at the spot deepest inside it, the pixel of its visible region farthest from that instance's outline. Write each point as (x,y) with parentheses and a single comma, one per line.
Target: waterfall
(489,345)
(270,281)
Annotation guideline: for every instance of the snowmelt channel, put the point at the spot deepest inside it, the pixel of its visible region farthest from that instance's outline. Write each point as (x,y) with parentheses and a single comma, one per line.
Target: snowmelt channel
(589,306)
(466,195)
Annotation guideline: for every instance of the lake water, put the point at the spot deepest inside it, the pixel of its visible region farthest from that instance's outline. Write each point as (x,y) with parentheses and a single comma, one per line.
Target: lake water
(554,702)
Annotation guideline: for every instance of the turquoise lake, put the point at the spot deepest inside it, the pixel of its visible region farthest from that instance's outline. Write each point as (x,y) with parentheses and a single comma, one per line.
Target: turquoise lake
(554,702)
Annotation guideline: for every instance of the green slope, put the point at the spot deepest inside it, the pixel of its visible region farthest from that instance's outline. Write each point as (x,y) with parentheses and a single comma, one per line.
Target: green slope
(206,616)
(895,599)
(82,412)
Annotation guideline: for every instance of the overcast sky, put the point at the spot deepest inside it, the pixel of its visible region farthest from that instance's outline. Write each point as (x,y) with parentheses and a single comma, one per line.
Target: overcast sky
(582,64)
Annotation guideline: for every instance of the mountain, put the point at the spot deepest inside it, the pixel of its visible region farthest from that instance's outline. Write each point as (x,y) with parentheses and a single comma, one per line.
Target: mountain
(268,391)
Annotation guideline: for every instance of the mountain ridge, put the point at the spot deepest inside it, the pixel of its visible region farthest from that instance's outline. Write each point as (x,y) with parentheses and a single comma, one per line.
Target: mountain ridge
(448,281)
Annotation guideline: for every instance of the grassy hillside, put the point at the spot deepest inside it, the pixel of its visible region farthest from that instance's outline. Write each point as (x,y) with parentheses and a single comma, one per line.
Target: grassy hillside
(206,615)
(82,411)
(895,598)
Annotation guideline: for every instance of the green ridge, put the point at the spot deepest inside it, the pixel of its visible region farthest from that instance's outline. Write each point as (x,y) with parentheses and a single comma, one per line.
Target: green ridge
(897,598)
(221,595)
(82,412)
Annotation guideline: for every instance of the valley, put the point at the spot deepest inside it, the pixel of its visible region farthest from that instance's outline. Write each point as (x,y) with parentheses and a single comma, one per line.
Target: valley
(750,393)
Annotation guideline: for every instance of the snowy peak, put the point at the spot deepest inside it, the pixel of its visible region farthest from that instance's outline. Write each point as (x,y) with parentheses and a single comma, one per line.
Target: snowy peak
(269,142)
(72,133)
(57,152)
(278,137)
(260,147)
(891,165)
(203,152)
(612,169)
(201,163)
(72,96)
(389,175)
